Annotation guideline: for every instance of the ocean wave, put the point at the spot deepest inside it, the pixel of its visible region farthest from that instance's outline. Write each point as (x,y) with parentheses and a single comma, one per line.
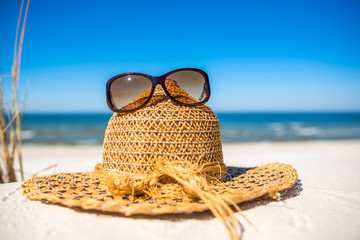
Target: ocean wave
(305,131)
(27,134)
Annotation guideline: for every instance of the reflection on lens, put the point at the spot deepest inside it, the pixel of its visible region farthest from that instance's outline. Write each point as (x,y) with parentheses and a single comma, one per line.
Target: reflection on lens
(187,86)
(130,91)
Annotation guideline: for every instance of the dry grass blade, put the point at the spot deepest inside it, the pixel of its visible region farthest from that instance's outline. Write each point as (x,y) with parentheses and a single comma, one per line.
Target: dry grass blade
(44,169)
(10,133)
(16,103)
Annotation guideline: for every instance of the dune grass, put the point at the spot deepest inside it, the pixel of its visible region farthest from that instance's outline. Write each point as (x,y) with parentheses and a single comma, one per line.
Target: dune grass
(10,115)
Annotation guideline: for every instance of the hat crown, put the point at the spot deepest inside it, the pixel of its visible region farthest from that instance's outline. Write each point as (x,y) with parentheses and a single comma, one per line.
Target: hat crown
(187,135)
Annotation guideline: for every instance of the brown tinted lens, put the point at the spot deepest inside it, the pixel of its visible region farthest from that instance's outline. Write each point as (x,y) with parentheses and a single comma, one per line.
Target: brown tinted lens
(130,91)
(187,86)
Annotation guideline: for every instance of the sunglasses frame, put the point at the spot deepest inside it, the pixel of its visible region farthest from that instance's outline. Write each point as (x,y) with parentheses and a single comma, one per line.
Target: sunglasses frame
(155,81)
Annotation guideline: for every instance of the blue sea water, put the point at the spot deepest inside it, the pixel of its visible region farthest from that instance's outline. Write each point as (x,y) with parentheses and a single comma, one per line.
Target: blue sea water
(235,127)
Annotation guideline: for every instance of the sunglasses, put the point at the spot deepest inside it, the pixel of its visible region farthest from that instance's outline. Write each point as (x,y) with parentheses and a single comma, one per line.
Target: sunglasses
(131,91)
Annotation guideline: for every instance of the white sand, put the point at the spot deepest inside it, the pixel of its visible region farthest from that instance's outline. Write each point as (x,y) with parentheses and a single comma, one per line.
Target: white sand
(328,207)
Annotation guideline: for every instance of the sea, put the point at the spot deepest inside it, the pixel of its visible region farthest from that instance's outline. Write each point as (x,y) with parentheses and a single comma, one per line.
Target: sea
(89,129)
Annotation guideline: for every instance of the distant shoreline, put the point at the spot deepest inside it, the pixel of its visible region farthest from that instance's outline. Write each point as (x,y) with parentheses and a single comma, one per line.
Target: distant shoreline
(73,128)
(29,144)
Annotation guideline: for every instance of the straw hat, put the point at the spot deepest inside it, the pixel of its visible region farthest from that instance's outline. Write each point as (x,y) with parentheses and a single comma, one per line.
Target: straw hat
(163,158)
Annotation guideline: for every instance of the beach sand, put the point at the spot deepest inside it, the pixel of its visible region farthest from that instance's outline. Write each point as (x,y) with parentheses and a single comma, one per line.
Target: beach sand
(324,204)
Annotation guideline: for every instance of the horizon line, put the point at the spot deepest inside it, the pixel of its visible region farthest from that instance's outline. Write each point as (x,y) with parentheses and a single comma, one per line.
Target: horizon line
(215,111)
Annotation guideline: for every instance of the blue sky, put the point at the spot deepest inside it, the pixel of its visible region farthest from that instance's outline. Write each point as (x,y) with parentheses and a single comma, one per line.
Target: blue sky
(260,55)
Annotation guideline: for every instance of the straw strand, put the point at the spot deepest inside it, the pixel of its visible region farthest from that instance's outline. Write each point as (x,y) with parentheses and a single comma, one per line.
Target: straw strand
(171,179)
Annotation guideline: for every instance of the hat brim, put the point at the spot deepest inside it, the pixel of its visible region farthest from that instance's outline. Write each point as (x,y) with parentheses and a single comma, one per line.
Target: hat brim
(88,190)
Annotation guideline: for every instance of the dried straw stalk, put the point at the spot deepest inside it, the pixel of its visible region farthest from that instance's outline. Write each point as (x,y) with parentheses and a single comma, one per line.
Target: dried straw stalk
(10,117)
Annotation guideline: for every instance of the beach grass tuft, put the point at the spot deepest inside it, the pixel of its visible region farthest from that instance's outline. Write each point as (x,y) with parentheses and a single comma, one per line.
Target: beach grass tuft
(10,115)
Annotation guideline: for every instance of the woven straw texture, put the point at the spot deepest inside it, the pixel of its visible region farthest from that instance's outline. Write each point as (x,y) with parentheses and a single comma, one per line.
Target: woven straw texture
(134,141)
(89,191)
(137,142)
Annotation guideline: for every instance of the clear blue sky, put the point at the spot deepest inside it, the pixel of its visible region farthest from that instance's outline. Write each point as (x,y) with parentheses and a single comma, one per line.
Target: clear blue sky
(260,55)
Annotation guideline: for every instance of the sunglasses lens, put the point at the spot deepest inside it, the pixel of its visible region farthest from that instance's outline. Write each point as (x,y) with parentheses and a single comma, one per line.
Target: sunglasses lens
(130,92)
(187,86)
